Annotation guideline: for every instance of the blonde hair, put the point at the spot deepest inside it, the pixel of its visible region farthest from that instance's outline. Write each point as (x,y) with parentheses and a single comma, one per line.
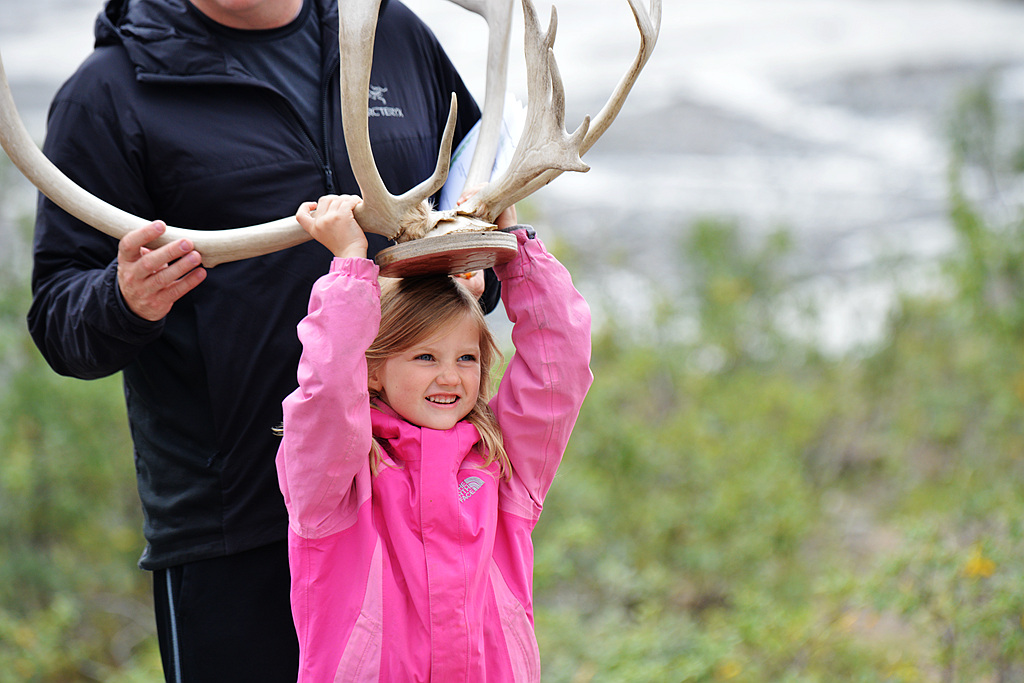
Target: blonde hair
(414,309)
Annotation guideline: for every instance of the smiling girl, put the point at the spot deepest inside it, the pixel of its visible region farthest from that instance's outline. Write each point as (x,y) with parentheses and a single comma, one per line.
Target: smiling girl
(412,494)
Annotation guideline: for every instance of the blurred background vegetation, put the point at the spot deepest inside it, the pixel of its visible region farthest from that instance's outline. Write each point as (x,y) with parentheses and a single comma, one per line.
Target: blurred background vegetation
(736,504)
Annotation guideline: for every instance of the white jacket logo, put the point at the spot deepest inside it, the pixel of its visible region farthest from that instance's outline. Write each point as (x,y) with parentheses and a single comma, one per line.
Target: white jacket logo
(377,95)
(468,487)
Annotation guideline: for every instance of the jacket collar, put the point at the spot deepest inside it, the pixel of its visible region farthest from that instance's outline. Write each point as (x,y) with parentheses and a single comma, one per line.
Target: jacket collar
(166,39)
(408,442)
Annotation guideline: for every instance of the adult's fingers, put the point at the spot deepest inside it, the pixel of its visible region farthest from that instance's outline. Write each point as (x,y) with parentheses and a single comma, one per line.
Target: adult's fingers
(135,256)
(151,294)
(152,280)
(130,248)
(183,285)
(474,282)
(168,273)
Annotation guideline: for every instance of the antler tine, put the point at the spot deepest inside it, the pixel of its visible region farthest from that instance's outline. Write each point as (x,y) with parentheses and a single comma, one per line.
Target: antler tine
(544,144)
(498,14)
(649,25)
(380,212)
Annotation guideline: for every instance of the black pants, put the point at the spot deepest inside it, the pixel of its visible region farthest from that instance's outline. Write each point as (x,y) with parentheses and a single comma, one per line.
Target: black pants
(227,619)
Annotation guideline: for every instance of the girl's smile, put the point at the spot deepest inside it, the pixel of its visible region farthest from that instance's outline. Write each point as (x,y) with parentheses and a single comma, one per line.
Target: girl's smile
(435,383)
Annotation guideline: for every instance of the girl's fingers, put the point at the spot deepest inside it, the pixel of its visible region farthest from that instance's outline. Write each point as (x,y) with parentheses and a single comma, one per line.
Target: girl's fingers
(304,216)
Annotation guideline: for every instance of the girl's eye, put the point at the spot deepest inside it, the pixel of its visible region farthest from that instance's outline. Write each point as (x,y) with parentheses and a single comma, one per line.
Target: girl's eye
(425,356)
(468,358)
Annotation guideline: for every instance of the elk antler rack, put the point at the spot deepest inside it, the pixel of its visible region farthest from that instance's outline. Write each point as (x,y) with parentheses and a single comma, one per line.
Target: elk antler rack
(544,151)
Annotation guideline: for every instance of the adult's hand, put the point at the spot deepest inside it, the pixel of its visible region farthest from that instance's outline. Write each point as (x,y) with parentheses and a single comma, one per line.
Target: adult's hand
(474,282)
(152,280)
(508,218)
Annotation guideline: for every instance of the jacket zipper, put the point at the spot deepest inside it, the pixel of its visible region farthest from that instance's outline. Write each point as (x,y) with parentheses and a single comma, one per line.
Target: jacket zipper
(322,159)
(324,121)
(325,164)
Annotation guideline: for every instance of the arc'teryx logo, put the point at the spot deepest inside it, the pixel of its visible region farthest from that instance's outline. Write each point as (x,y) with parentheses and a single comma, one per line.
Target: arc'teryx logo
(377,95)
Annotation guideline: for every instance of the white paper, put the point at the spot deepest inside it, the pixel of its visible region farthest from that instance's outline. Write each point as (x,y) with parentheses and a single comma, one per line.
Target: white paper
(513,119)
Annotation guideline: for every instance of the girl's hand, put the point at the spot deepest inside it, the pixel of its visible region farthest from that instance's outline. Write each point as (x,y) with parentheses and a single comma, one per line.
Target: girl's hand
(334,224)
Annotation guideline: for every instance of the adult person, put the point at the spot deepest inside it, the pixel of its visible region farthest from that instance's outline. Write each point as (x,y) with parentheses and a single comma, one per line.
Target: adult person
(212,114)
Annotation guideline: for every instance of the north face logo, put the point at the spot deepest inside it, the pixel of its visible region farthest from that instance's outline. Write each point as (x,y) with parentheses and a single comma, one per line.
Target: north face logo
(468,487)
(377,95)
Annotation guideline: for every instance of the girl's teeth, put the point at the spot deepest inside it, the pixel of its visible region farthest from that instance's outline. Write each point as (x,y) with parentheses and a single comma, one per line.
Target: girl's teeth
(442,400)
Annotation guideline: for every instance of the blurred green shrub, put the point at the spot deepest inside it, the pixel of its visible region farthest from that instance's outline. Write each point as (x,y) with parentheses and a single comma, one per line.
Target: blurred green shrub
(684,539)
(737,506)
(951,381)
(73,605)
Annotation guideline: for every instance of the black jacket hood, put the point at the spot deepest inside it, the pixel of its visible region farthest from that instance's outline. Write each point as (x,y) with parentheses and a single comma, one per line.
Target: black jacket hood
(168,39)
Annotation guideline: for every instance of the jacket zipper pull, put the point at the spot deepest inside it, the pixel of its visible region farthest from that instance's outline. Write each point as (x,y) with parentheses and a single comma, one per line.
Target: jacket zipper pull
(329,177)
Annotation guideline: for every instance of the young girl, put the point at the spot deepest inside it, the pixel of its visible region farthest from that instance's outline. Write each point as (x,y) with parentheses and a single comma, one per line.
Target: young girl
(411,498)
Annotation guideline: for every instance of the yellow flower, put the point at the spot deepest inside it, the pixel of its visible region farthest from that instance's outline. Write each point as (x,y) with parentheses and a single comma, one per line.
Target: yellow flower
(25,637)
(728,670)
(905,672)
(1018,386)
(847,622)
(979,566)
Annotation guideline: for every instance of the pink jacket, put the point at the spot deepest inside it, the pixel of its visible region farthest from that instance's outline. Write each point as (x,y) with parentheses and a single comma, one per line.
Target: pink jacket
(425,571)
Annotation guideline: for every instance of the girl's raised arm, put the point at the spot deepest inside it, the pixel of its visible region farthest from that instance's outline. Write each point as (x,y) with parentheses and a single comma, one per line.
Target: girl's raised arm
(547,379)
(323,460)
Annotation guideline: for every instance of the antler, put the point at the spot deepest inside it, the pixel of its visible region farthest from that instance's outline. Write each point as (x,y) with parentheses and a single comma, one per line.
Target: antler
(539,160)
(216,246)
(498,14)
(381,212)
(544,143)
(543,153)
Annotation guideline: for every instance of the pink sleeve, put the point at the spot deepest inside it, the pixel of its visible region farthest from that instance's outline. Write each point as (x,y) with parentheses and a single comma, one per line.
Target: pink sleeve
(326,442)
(540,396)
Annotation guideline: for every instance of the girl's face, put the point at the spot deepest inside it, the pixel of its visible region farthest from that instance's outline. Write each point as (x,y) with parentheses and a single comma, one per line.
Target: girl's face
(436,382)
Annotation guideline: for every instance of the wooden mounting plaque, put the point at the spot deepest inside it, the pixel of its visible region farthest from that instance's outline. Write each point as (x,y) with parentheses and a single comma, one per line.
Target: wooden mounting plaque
(456,252)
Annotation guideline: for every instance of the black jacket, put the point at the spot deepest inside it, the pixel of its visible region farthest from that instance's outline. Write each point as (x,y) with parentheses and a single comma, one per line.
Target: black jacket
(159,122)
